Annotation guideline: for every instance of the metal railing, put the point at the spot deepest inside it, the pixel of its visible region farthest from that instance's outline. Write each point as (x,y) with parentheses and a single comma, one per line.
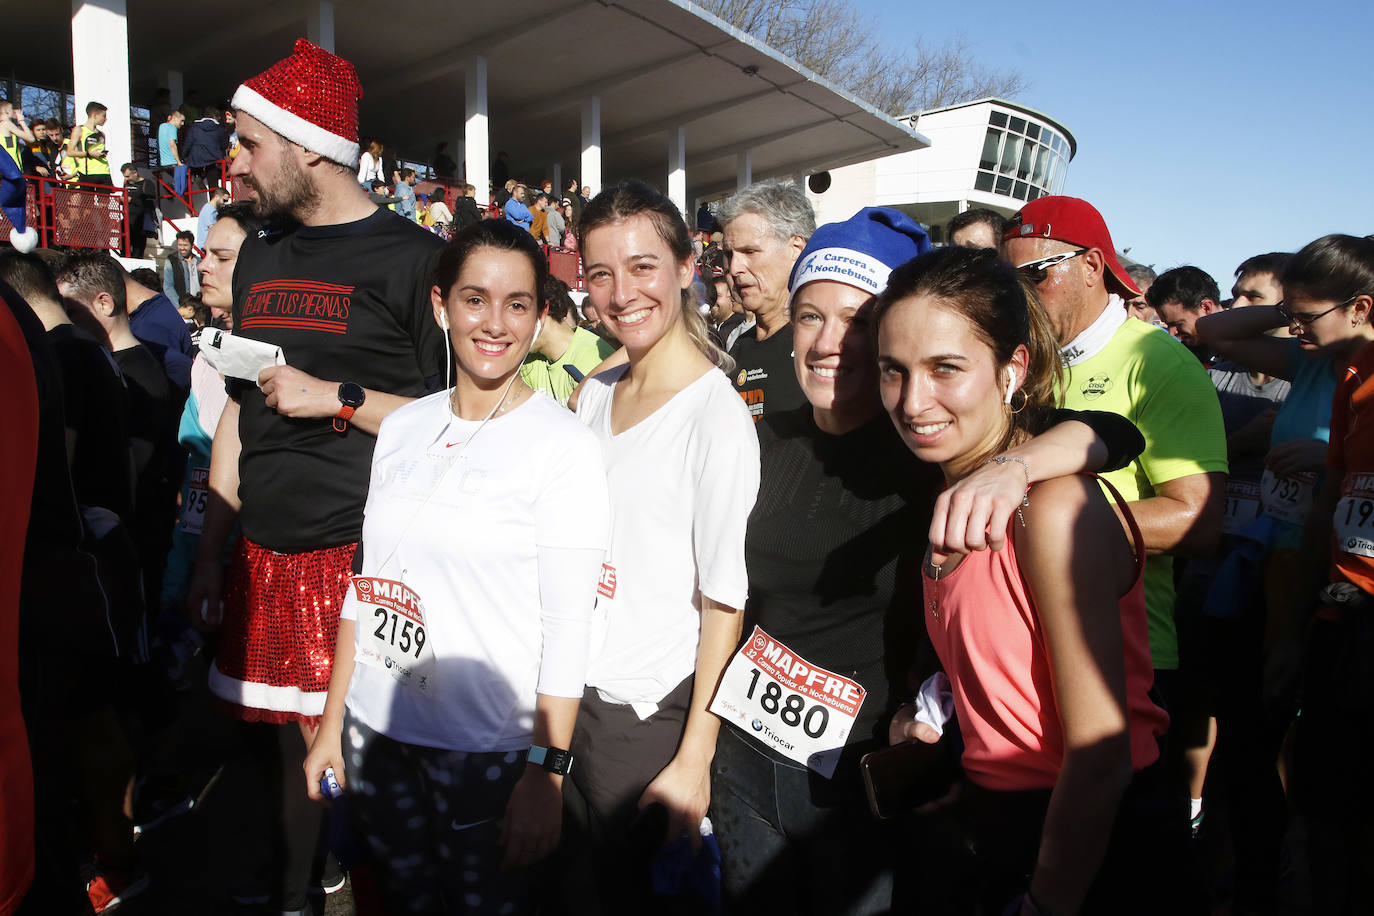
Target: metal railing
(83,214)
(171,202)
(76,214)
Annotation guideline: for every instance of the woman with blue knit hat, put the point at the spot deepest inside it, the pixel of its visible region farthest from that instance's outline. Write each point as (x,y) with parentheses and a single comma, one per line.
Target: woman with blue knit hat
(833,551)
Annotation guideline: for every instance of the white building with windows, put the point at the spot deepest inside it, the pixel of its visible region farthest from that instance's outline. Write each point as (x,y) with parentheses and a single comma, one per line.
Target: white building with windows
(990,153)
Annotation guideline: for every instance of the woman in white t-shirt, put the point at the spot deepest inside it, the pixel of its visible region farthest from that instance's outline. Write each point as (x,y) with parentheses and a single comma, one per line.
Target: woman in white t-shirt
(370,165)
(462,648)
(682,464)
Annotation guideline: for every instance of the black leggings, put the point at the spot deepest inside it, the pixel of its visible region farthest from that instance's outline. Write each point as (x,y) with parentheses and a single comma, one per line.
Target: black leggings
(1146,860)
(296,837)
(1335,742)
(432,819)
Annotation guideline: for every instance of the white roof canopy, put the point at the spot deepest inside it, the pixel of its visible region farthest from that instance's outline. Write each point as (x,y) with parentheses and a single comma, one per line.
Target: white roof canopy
(655,64)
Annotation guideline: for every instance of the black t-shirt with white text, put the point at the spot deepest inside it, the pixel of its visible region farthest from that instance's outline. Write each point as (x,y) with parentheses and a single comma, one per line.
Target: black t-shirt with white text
(346,303)
(764,375)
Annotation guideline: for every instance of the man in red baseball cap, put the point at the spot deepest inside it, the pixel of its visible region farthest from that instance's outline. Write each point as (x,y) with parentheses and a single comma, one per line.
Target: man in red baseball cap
(341,288)
(1177,486)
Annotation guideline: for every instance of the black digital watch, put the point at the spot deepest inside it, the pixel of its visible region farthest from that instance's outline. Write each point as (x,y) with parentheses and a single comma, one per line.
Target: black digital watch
(554,759)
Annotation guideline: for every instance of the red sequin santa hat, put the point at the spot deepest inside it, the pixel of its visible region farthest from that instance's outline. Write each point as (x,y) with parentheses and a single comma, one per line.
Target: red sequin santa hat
(310,98)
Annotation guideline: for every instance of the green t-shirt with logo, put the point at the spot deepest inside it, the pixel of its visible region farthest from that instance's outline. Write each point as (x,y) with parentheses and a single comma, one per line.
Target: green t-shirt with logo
(1152,380)
(584,353)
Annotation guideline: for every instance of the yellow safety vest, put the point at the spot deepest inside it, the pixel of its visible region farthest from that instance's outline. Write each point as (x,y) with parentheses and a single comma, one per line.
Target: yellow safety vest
(93,145)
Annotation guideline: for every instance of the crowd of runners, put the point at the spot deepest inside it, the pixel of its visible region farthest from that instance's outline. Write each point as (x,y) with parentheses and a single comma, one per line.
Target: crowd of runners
(856,575)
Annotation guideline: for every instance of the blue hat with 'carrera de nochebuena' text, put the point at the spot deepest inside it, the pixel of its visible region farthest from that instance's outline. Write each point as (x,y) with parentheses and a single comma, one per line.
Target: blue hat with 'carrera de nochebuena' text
(861,252)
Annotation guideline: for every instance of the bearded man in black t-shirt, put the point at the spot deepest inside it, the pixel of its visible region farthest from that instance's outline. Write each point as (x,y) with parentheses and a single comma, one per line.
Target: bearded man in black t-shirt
(343,289)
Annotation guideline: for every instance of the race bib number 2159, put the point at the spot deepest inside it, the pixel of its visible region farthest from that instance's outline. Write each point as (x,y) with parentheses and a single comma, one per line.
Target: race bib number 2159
(391,633)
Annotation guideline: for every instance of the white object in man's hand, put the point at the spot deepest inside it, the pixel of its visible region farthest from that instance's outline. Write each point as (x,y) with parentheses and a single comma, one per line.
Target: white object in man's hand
(238,357)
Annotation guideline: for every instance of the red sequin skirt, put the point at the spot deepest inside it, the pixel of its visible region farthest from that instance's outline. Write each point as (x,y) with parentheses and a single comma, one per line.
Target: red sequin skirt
(281,617)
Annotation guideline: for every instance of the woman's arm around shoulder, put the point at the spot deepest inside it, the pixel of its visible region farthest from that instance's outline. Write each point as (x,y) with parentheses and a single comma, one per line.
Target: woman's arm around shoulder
(972,513)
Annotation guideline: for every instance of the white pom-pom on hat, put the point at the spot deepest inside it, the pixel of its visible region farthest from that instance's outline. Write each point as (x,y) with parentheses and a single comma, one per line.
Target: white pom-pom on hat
(25,241)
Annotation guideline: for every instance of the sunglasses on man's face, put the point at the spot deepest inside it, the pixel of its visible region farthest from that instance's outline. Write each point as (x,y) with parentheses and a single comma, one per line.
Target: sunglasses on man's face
(1037,271)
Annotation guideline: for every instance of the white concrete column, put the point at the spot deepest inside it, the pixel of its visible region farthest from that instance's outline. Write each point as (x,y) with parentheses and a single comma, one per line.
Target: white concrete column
(744,170)
(176,90)
(591,144)
(557,179)
(476,142)
(677,170)
(100,71)
(319,23)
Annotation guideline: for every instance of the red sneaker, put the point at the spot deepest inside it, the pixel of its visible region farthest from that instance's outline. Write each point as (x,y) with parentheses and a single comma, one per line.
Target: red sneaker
(108,889)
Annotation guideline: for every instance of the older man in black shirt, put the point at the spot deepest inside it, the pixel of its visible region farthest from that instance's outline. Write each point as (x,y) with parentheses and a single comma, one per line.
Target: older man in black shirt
(766,228)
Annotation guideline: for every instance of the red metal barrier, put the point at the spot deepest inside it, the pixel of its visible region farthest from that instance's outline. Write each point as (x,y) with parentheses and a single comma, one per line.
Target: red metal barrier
(76,214)
(89,218)
(33,214)
(566,265)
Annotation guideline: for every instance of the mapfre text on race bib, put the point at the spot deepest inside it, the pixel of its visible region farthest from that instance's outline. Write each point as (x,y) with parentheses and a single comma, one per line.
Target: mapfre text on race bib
(605,585)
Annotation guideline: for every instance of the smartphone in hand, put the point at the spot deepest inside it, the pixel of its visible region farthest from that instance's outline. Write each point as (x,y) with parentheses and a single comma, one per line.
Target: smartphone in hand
(901,778)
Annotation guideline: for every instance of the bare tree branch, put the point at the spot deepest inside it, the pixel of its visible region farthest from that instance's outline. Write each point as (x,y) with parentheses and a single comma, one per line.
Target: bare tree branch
(837,40)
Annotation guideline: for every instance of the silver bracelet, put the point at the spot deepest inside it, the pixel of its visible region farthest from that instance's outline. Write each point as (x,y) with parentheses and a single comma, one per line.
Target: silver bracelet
(1025,498)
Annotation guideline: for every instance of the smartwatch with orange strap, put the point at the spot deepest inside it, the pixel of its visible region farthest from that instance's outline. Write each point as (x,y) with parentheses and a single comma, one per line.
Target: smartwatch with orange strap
(351,396)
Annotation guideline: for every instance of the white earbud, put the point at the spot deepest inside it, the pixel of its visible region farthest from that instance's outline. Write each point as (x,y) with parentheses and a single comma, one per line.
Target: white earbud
(538,327)
(1011,384)
(443,319)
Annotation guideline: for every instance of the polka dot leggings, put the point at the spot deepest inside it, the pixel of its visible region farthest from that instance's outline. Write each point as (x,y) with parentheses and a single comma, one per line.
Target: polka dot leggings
(432,819)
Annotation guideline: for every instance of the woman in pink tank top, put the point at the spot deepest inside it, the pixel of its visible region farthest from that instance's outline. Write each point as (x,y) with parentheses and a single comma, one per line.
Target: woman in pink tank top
(1044,641)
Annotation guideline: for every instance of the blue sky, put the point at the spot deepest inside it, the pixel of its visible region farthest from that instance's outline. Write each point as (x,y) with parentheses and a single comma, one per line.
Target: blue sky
(1207,131)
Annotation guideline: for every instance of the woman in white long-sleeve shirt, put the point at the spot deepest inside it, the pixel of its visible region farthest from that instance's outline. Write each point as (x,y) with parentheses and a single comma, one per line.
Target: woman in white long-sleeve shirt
(462,651)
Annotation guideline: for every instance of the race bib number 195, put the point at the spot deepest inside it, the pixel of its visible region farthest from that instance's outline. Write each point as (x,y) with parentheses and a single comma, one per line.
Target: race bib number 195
(1354,518)
(782,701)
(391,634)
(197,494)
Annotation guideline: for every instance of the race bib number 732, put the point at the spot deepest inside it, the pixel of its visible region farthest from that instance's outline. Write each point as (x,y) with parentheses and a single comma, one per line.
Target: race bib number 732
(782,701)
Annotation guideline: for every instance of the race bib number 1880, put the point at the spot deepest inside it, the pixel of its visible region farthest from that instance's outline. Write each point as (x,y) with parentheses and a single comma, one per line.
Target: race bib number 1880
(391,633)
(782,701)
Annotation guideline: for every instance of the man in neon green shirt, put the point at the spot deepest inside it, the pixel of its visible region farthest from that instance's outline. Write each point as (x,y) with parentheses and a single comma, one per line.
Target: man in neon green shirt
(1176,487)
(559,345)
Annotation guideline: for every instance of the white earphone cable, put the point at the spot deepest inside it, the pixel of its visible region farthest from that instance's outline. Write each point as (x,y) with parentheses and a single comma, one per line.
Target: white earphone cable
(453,459)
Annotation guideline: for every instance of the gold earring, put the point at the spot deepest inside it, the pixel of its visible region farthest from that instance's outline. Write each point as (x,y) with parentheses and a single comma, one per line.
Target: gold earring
(1025,399)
